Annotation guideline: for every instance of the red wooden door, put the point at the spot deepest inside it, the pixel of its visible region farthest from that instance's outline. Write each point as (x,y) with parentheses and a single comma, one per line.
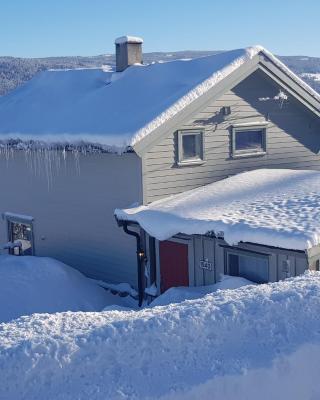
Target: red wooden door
(173,265)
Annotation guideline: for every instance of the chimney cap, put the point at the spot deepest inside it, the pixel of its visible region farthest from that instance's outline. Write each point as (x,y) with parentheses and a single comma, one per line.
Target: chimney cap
(128,39)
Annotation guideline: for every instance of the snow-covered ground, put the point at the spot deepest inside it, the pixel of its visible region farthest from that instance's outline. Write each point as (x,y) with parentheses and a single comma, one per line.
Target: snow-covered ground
(254,342)
(179,294)
(43,285)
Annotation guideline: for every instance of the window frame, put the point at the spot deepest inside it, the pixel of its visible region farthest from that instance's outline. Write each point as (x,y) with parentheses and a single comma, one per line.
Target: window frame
(196,161)
(12,218)
(259,126)
(248,253)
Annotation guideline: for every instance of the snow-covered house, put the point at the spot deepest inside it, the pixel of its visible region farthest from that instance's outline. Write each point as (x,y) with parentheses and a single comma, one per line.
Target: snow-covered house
(77,144)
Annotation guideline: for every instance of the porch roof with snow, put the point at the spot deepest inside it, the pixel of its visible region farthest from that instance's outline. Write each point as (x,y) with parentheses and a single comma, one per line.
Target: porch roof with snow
(130,108)
(274,207)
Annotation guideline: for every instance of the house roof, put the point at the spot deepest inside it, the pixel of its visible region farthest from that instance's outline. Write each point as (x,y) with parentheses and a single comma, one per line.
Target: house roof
(275,207)
(118,109)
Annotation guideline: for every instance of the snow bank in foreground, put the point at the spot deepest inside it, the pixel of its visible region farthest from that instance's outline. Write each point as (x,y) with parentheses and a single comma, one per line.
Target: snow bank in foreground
(44,285)
(256,342)
(276,207)
(179,294)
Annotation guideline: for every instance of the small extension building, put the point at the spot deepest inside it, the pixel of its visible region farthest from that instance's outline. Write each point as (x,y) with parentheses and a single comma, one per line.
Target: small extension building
(262,225)
(211,163)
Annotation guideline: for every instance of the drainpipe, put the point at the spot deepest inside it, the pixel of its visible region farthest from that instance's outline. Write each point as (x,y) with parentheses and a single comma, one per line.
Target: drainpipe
(140,258)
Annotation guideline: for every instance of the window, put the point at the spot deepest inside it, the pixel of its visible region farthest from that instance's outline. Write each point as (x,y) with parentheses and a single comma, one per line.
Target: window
(20,234)
(190,147)
(248,140)
(249,265)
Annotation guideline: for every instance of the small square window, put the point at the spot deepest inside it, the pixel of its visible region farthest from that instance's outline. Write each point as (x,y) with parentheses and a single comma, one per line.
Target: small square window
(20,234)
(190,147)
(248,141)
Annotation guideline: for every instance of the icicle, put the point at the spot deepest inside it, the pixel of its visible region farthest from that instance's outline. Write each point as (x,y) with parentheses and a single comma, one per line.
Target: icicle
(45,160)
(76,154)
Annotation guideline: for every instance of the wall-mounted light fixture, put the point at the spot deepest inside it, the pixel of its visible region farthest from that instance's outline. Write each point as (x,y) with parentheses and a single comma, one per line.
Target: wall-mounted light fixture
(141,254)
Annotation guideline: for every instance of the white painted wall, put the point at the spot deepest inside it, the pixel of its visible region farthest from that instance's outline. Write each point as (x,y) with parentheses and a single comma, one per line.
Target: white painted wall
(73,217)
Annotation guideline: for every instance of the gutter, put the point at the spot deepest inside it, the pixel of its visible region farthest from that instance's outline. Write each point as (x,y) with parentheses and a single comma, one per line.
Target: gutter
(140,257)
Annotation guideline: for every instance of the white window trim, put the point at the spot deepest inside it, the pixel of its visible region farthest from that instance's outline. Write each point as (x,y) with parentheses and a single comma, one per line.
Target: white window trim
(250,126)
(197,161)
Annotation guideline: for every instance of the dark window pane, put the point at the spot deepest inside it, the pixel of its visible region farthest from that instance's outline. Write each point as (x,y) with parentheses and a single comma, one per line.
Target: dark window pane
(253,268)
(233,265)
(191,145)
(22,233)
(249,140)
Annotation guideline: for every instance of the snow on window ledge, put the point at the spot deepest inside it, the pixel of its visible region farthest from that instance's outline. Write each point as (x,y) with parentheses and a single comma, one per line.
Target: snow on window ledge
(17,217)
(187,163)
(249,154)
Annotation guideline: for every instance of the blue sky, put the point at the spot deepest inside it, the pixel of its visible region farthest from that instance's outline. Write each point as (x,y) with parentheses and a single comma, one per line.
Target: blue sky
(39,28)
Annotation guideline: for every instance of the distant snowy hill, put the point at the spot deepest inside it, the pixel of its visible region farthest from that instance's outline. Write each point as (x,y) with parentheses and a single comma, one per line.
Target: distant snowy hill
(15,71)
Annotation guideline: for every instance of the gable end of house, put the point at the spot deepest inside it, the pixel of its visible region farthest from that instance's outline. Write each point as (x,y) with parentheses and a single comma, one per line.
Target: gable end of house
(266,62)
(289,132)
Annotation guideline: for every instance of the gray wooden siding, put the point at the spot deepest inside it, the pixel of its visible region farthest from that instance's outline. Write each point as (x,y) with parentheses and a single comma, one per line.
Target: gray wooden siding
(212,249)
(297,261)
(73,218)
(293,140)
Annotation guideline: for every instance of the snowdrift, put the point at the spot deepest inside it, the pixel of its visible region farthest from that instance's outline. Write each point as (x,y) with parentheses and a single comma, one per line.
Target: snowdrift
(255,342)
(180,294)
(44,285)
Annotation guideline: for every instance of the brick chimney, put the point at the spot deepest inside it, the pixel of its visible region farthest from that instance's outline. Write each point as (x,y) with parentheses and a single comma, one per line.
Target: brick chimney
(128,52)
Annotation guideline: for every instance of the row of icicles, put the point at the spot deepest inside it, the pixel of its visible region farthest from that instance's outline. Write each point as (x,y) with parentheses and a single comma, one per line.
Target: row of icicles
(45,161)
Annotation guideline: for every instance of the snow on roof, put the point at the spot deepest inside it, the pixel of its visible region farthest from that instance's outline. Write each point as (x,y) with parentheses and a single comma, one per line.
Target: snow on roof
(116,109)
(275,207)
(128,39)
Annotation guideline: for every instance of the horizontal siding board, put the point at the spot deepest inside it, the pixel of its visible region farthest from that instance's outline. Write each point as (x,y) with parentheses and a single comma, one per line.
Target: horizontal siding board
(294,146)
(170,182)
(219,138)
(161,193)
(220,160)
